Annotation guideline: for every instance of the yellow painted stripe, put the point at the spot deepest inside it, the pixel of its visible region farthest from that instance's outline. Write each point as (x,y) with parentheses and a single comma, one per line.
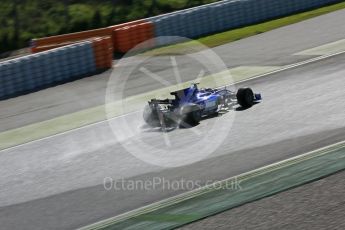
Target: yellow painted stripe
(97,114)
(326,49)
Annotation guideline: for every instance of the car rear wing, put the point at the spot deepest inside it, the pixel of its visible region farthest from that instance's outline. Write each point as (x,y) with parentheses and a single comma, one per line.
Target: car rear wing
(161,102)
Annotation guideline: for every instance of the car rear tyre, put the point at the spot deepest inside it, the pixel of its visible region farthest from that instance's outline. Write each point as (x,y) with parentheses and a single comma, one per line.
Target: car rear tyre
(192,117)
(150,116)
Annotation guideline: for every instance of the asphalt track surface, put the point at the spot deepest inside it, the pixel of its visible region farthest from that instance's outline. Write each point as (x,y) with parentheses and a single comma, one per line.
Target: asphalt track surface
(317,205)
(272,48)
(56,183)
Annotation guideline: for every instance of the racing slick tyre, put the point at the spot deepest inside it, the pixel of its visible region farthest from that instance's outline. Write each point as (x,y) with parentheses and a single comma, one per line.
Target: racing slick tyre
(150,116)
(245,97)
(191,117)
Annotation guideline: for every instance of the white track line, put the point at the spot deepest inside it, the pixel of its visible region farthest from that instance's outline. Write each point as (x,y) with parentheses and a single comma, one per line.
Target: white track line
(199,191)
(245,80)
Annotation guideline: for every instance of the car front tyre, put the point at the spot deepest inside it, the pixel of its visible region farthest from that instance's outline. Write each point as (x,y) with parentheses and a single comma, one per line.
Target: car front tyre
(245,97)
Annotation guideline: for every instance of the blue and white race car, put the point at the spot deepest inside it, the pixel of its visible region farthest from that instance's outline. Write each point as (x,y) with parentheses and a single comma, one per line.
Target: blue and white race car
(190,105)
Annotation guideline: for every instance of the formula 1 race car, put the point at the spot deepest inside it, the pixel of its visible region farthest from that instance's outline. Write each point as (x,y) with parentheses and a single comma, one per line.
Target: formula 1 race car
(192,104)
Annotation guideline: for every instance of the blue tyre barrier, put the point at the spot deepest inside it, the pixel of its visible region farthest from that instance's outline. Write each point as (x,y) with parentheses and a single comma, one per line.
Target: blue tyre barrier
(36,71)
